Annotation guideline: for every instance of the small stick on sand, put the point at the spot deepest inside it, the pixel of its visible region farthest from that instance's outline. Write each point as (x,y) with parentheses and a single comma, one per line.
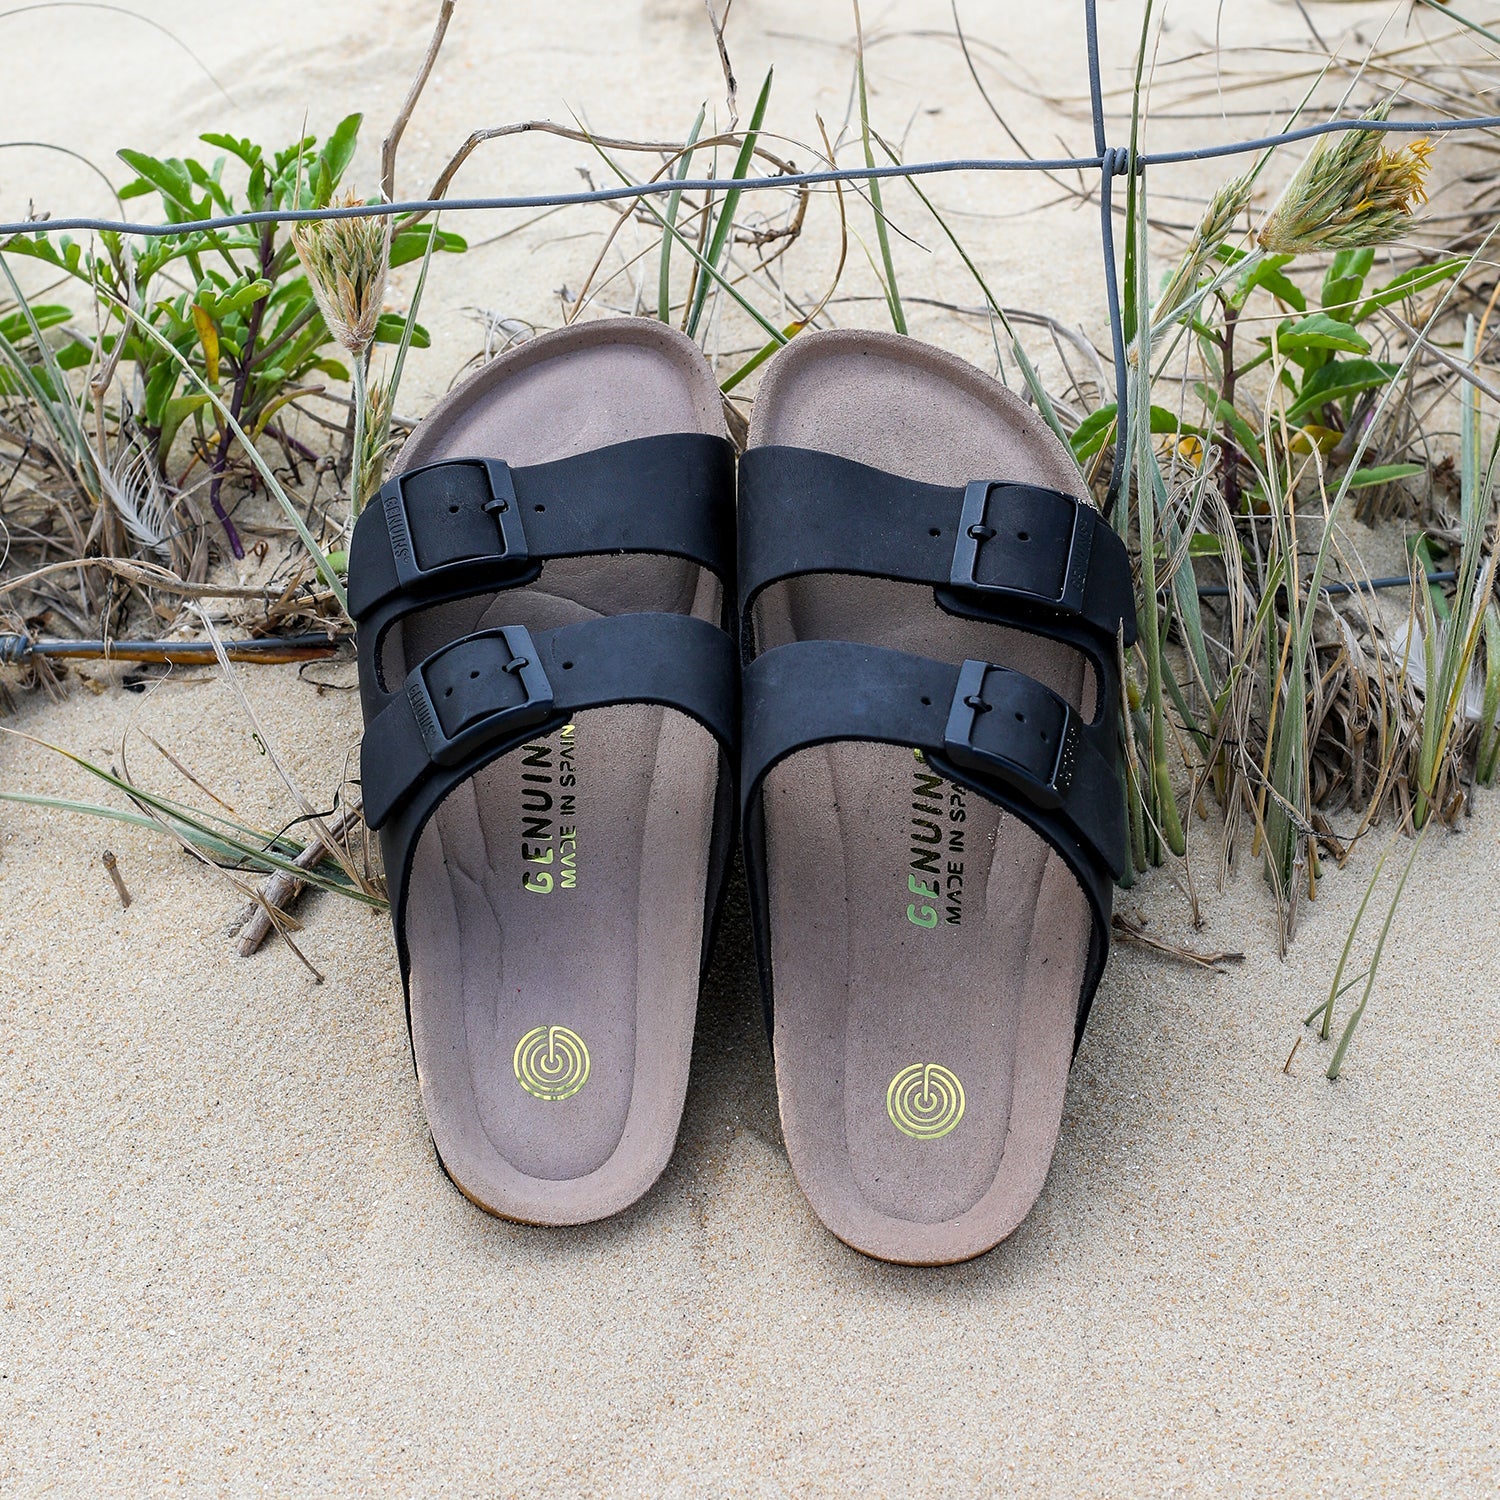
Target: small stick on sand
(282,888)
(112,865)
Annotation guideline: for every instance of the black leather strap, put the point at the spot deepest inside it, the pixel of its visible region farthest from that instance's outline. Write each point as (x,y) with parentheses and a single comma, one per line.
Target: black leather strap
(988,726)
(488,693)
(468,526)
(1001,551)
(1064,787)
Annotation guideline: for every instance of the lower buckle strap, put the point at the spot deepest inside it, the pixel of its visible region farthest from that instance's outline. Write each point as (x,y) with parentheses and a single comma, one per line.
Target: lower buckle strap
(1031,741)
(506,654)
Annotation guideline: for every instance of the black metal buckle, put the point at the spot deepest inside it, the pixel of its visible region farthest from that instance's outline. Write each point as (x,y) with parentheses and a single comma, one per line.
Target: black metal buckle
(502,505)
(1043,732)
(974,531)
(447,749)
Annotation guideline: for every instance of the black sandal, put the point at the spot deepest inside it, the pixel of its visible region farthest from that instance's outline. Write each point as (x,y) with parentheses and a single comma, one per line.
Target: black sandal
(933,812)
(550,708)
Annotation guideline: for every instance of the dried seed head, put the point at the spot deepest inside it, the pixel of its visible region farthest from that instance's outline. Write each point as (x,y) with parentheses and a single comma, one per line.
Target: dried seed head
(1213,229)
(1352,192)
(346,262)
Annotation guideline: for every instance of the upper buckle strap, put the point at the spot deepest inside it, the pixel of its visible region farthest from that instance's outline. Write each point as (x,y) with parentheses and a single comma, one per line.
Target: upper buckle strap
(465,526)
(1017,554)
(503,657)
(1046,545)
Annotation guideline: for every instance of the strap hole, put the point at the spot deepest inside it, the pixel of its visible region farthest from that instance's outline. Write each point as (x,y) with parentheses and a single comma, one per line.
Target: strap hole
(567,666)
(926,702)
(1023,536)
(447,692)
(541,507)
(452,510)
(935,532)
(1020,718)
(472,676)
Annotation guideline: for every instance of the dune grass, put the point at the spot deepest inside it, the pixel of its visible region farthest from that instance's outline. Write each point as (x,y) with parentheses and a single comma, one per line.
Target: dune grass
(1278,388)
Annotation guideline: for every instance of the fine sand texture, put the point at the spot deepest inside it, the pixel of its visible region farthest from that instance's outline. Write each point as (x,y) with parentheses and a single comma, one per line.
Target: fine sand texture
(231,1264)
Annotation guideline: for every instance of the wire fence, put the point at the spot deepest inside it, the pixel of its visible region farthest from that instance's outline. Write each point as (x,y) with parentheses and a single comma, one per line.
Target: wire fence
(1109,161)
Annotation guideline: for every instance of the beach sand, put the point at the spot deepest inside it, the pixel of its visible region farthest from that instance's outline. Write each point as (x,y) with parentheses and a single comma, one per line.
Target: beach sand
(231,1263)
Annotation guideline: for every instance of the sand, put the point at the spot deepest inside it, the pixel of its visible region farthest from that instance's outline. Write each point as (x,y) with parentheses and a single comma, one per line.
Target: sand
(232,1265)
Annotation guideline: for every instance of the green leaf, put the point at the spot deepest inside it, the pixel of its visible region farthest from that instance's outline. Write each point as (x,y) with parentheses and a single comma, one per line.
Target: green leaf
(1319,331)
(1339,379)
(170,178)
(388,331)
(159,387)
(1345,277)
(1363,478)
(1088,437)
(174,413)
(245,150)
(74,355)
(409,243)
(15,326)
(1408,284)
(337,153)
(1091,434)
(242,297)
(1267,274)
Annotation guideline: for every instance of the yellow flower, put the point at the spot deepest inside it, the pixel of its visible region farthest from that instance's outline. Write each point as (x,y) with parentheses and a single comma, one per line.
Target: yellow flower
(1352,192)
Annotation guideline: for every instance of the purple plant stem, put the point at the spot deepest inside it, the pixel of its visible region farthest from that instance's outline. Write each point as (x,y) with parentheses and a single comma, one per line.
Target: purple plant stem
(237,402)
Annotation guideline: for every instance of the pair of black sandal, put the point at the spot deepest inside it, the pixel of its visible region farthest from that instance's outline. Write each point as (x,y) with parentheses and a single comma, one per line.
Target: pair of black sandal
(903,654)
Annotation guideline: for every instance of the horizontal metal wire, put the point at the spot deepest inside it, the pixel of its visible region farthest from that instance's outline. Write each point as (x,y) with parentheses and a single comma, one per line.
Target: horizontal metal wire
(1115,160)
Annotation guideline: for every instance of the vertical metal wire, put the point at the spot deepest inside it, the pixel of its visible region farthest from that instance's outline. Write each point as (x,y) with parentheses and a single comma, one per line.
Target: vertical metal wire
(1114,161)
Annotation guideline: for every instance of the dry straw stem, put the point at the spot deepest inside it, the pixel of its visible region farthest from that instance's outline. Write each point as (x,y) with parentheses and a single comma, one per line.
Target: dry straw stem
(1352,192)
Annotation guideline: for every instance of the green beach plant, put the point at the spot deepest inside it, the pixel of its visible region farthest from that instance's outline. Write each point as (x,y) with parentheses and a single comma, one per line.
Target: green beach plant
(248,323)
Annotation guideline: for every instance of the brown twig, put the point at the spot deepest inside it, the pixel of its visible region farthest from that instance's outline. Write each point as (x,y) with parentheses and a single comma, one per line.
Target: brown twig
(282,888)
(568,133)
(403,116)
(719,23)
(1133,934)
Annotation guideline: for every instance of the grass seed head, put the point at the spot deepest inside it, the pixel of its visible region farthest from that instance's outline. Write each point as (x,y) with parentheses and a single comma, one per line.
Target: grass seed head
(346,262)
(1352,192)
(375,440)
(1213,229)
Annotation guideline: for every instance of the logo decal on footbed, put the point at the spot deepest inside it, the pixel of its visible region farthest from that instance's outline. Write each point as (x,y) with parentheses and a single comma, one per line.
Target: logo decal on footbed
(552,1062)
(925,1101)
